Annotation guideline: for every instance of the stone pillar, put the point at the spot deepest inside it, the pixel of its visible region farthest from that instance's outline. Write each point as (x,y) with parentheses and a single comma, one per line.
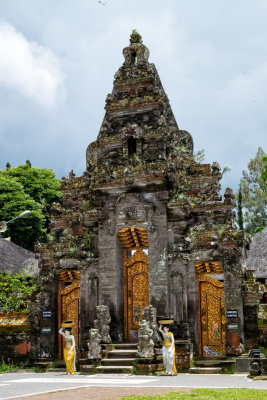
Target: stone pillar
(192,304)
(158,263)
(89,299)
(111,276)
(233,306)
(49,321)
(252,294)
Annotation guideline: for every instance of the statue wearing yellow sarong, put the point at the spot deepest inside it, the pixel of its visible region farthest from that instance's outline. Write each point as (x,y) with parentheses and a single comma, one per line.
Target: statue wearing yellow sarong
(168,351)
(69,350)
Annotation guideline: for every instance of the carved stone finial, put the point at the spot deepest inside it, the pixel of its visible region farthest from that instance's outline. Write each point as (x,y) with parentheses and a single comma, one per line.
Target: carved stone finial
(229,197)
(135,37)
(136,53)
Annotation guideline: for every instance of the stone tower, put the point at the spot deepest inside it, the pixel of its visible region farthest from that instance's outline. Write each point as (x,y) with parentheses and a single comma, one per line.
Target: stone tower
(145,224)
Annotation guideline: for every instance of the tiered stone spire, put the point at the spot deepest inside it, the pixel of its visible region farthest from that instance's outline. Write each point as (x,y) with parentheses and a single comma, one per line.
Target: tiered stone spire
(139,121)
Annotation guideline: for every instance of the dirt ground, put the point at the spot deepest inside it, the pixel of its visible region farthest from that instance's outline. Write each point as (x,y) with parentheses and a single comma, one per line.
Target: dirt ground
(100,393)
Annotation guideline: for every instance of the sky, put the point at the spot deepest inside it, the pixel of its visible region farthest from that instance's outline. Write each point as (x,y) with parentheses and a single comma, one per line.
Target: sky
(58,59)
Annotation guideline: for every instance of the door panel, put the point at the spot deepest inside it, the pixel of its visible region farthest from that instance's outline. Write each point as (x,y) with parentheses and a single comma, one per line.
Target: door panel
(211,317)
(136,291)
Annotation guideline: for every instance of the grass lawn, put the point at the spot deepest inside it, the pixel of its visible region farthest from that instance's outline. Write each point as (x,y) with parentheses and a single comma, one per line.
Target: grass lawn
(208,394)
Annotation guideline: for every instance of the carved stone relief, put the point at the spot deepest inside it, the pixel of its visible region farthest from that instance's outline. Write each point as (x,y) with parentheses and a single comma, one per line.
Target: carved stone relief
(93,344)
(145,342)
(177,291)
(150,315)
(102,323)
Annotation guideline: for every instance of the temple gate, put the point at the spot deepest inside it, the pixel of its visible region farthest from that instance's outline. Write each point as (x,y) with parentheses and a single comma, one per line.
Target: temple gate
(141,179)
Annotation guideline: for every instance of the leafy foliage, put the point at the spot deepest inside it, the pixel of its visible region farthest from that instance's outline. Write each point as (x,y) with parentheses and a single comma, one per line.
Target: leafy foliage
(254,194)
(239,210)
(264,172)
(6,366)
(207,394)
(26,188)
(14,291)
(199,156)
(39,183)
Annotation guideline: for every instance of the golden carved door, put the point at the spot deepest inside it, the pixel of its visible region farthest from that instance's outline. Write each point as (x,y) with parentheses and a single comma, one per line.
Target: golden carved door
(211,317)
(69,304)
(136,291)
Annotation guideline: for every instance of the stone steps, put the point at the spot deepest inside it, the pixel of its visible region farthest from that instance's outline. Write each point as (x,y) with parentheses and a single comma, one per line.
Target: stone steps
(117,361)
(113,369)
(125,346)
(122,353)
(215,363)
(205,370)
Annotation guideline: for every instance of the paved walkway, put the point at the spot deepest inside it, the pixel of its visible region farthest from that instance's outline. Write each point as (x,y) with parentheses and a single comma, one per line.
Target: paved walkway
(17,385)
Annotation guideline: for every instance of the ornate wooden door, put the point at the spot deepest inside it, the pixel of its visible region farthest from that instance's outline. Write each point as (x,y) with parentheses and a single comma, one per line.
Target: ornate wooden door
(211,317)
(69,308)
(136,291)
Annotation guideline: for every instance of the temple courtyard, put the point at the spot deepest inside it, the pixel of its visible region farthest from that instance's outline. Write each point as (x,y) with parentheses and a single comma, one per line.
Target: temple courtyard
(54,385)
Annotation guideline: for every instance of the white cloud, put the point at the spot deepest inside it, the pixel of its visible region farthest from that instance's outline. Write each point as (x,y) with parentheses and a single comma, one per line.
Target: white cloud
(29,68)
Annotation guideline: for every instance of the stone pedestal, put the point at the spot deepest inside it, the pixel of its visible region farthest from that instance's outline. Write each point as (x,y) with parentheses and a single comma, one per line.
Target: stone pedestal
(242,363)
(252,293)
(183,354)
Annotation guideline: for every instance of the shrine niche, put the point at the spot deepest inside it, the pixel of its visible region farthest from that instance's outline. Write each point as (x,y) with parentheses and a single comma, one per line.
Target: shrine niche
(177,294)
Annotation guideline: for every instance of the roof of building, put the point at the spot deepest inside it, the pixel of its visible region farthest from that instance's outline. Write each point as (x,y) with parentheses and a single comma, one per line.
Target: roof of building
(257,255)
(14,258)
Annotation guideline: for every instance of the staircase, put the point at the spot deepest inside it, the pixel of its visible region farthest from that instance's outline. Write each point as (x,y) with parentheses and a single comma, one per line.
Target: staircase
(215,366)
(118,360)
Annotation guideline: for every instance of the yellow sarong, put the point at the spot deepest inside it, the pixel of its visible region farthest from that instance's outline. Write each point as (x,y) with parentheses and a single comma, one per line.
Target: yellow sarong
(69,358)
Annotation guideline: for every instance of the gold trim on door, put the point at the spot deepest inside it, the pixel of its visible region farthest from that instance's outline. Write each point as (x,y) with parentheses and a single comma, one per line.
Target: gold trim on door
(211,317)
(136,290)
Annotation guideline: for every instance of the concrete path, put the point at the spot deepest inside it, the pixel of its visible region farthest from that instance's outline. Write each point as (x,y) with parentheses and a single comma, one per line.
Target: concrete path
(28,383)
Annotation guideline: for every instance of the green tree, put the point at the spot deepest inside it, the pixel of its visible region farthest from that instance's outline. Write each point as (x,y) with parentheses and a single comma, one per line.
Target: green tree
(27,188)
(254,195)
(264,171)
(240,210)
(39,183)
(15,290)
(13,200)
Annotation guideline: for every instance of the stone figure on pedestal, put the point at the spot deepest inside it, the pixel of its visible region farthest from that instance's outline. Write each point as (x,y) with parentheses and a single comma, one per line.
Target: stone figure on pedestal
(102,323)
(150,315)
(93,344)
(145,342)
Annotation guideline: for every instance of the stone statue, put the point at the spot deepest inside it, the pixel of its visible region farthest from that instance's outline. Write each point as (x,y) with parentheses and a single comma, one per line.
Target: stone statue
(150,314)
(145,342)
(93,344)
(102,323)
